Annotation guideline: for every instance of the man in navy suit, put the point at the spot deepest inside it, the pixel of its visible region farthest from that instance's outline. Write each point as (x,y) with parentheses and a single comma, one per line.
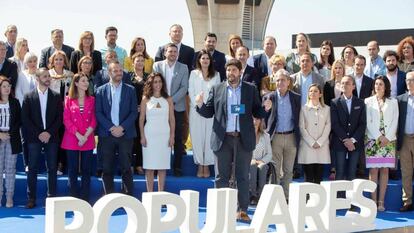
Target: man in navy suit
(348,120)
(42,116)
(261,61)
(185,53)
(116,111)
(11,35)
(219,59)
(7,67)
(57,40)
(363,84)
(249,74)
(396,76)
(233,104)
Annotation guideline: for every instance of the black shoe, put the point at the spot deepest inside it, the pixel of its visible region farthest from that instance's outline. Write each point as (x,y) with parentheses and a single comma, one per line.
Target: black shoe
(98,173)
(30,204)
(353,208)
(296,174)
(178,173)
(393,175)
(254,200)
(406,208)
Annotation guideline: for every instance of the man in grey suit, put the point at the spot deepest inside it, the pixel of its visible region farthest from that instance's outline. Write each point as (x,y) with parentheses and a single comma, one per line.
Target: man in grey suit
(176,77)
(233,104)
(306,77)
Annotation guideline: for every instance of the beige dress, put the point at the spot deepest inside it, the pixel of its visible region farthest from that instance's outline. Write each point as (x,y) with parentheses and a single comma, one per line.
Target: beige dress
(315,126)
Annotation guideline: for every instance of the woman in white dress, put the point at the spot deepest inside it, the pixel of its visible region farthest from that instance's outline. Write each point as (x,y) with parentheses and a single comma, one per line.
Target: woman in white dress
(157,136)
(201,80)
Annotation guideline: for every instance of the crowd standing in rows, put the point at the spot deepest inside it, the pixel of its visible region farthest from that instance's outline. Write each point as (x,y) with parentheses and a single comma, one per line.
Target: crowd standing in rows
(244,114)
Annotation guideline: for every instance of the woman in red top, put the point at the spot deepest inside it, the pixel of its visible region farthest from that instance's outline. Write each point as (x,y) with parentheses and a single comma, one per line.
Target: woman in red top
(78,139)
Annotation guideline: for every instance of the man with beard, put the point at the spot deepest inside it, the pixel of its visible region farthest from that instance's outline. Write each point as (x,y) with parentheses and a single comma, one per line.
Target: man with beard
(219,59)
(396,76)
(233,104)
(111,35)
(42,116)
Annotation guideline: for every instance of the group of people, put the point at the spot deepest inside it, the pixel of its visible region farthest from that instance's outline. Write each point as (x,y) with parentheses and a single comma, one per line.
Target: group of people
(240,112)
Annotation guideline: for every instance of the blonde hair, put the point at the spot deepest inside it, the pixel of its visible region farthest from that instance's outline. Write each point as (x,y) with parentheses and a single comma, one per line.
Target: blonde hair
(19,44)
(337,62)
(278,58)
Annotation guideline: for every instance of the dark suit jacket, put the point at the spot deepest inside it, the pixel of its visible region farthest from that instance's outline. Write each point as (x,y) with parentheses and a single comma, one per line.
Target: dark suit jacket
(32,116)
(102,77)
(77,55)
(216,106)
(128,110)
(15,123)
(250,75)
(329,92)
(47,52)
(366,88)
(10,51)
(260,63)
(10,71)
(186,56)
(402,109)
(401,85)
(219,61)
(348,125)
(272,117)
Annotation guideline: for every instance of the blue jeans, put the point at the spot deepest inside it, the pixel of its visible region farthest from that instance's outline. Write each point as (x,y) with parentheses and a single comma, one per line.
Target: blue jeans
(35,150)
(346,165)
(73,167)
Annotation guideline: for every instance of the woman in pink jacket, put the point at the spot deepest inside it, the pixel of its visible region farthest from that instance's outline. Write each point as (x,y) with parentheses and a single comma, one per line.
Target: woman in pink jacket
(78,140)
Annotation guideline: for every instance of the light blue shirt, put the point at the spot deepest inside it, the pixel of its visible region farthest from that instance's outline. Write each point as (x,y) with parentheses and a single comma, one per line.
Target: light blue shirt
(305,81)
(233,97)
(409,120)
(375,67)
(115,102)
(348,103)
(120,53)
(1,65)
(284,113)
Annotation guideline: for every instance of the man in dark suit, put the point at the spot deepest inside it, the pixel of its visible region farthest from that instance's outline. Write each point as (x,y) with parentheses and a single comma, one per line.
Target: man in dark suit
(102,76)
(116,111)
(185,53)
(42,115)
(7,67)
(396,76)
(283,108)
(11,35)
(405,141)
(176,77)
(57,40)
(364,84)
(348,120)
(363,89)
(233,105)
(249,74)
(219,59)
(261,61)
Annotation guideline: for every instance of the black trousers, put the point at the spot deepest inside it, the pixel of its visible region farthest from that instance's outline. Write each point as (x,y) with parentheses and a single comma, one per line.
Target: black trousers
(313,172)
(109,146)
(178,140)
(137,147)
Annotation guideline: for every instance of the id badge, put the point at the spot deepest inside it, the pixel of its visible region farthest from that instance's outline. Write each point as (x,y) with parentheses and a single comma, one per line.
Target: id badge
(238,109)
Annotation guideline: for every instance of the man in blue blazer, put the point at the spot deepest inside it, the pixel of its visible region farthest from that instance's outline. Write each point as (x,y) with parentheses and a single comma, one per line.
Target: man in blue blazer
(348,120)
(219,59)
(176,77)
(116,112)
(233,104)
(405,141)
(396,76)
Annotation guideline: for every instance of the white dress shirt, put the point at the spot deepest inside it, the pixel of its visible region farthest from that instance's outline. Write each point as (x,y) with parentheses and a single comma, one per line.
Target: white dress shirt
(169,73)
(43,104)
(358,83)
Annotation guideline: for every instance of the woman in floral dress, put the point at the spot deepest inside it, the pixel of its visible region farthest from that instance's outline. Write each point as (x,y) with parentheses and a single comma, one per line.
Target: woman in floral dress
(382,121)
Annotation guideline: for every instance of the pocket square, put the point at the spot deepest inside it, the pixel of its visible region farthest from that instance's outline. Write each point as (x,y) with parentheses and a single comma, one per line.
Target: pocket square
(357,107)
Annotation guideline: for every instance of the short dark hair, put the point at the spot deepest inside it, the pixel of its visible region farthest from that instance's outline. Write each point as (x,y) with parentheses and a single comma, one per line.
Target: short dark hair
(169,45)
(110,28)
(56,30)
(234,62)
(390,53)
(210,34)
(113,62)
(387,85)
(359,56)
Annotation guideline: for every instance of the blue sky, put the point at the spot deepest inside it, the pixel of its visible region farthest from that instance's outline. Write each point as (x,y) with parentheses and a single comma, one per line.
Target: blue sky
(152,19)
